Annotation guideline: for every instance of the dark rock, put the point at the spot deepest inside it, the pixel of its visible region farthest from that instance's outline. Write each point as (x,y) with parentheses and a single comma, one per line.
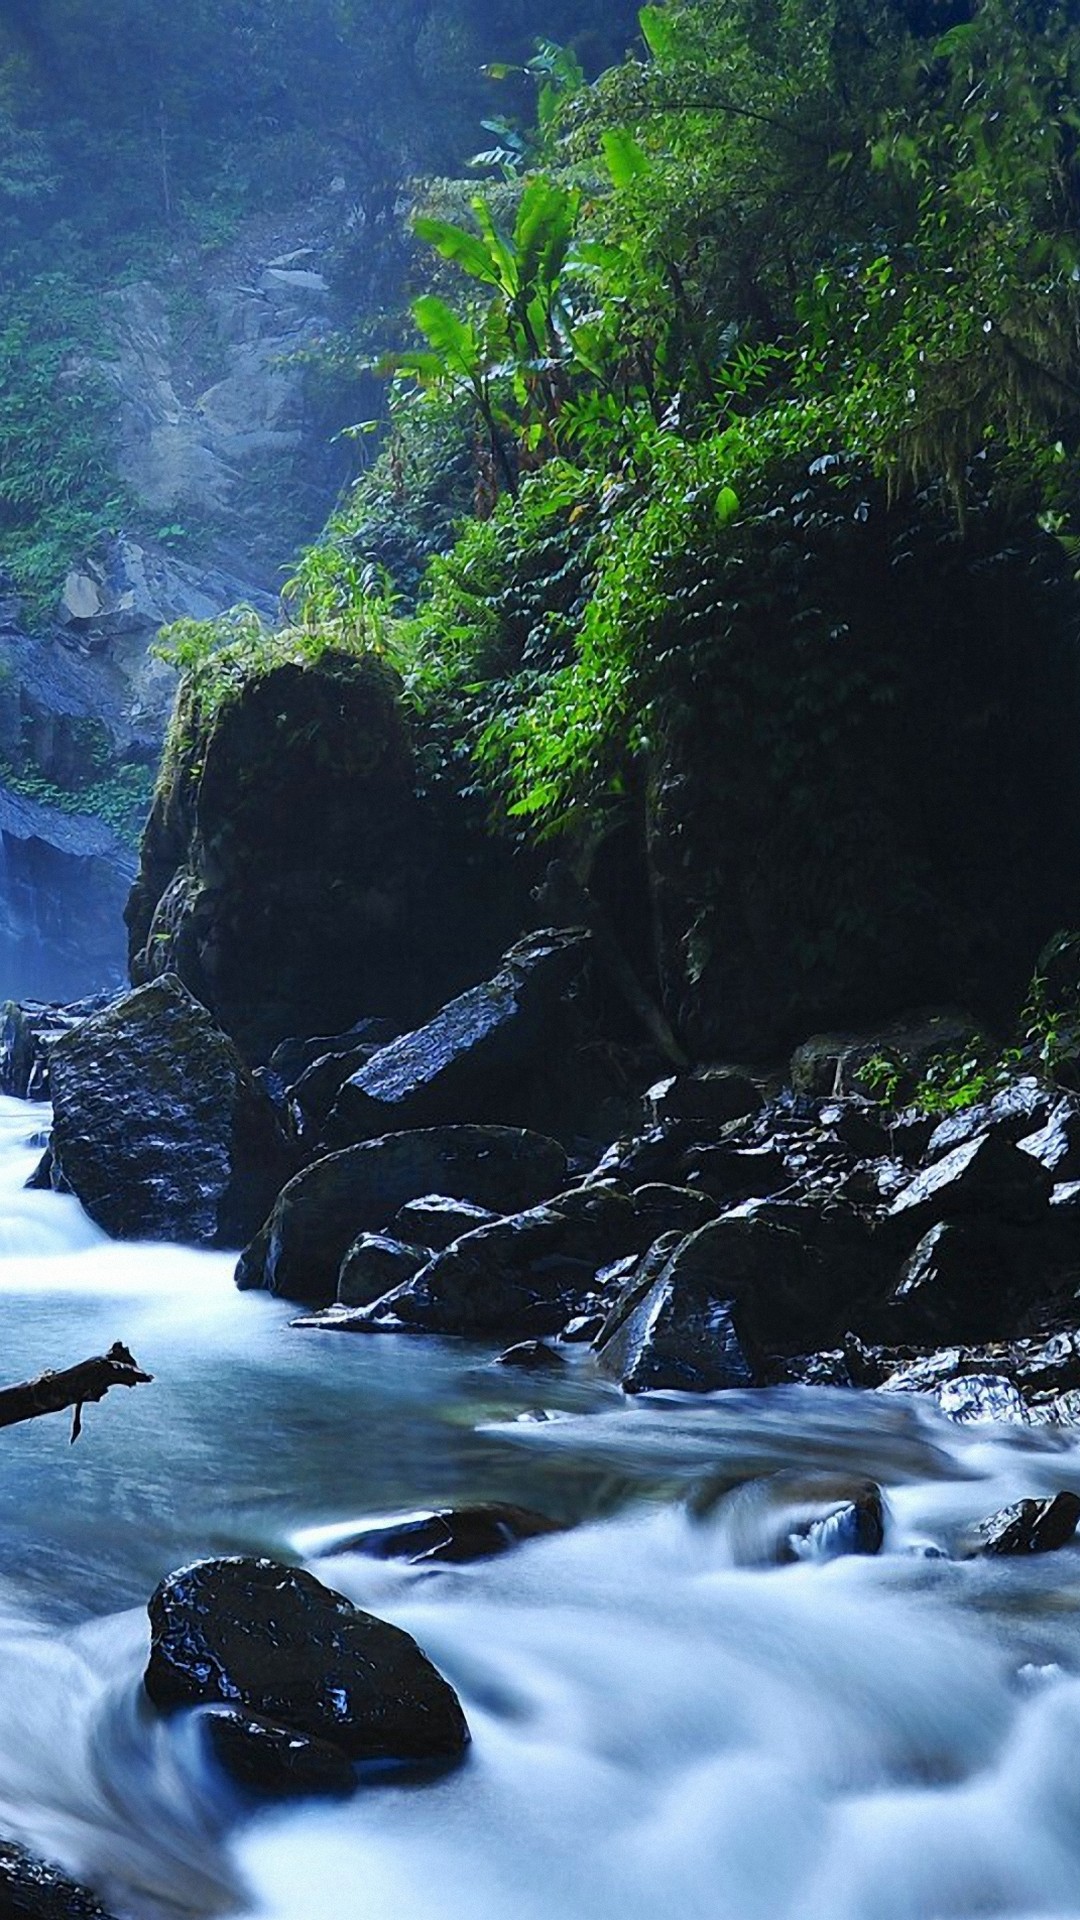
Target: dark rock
(985,1175)
(19,1050)
(292,1058)
(526,1273)
(855,1527)
(158,1128)
(827,1369)
(275,1762)
(532,1355)
(435,1221)
(788,1516)
(32,1890)
(658,1156)
(663,1208)
(956,1284)
(833,1063)
(1013,1111)
(1031,1526)
(714,1096)
(272,1642)
(1056,1146)
(317,1088)
(680,1335)
(856,1127)
(455,1535)
(969,1396)
(794,1269)
(467,1061)
(290,870)
(374,1265)
(728,1174)
(316,1218)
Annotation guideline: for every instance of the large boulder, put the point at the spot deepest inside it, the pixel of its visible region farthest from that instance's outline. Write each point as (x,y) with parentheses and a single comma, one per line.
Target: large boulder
(318,1216)
(837,1063)
(986,1175)
(274,1643)
(682,1335)
(526,1274)
(158,1127)
(291,872)
(468,1061)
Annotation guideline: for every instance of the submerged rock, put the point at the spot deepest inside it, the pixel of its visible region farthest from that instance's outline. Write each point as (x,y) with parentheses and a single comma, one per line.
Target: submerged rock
(32,1890)
(158,1127)
(532,1356)
(455,1534)
(467,1062)
(271,1642)
(315,1219)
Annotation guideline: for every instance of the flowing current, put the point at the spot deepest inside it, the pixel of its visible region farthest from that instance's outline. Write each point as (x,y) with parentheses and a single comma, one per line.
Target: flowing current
(664,1722)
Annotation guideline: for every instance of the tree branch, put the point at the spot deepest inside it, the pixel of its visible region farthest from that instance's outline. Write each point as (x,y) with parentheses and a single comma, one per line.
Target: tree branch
(72,1387)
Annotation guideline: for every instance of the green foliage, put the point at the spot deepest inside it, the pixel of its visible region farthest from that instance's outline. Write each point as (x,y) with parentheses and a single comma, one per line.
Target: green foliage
(121,798)
(57,491)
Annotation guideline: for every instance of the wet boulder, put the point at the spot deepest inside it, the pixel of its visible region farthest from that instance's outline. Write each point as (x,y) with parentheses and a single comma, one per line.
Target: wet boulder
(292,1058)
(970,1393)
(30,1889)
(713,1096)
(315,1219)
(986,1175)
(796,1268)
(1016,1109)
(958,1284)
(272,1642)
(1056,1145)
(158,1127)
(788,1516)
(435,1221)
(274,1762)
(373,1265)
(679,1336)
(1030,1526)
(663,1208)
(524,1274)
(728,1174)
(468,1061)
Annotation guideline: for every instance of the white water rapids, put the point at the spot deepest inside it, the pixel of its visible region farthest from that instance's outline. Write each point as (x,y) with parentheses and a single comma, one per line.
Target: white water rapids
(662,1725)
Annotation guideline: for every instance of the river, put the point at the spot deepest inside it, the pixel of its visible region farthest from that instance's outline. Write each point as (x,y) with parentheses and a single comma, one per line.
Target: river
(665,1724)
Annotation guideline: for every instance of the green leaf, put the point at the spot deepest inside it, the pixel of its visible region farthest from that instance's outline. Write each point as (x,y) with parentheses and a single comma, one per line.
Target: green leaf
(625,160)
(453,340)
(465,249)
(727,505)
(659,32)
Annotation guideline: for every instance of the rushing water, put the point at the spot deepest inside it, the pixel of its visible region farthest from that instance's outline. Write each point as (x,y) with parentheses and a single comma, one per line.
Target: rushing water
(664,1722)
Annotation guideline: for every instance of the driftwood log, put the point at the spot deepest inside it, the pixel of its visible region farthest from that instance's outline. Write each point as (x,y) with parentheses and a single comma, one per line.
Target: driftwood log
(71,1387)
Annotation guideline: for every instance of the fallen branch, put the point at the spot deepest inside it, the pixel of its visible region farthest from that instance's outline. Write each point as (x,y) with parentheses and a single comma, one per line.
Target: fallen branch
(90,1380)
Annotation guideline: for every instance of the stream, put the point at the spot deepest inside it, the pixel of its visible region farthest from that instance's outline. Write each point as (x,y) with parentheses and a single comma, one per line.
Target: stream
(663,1723)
